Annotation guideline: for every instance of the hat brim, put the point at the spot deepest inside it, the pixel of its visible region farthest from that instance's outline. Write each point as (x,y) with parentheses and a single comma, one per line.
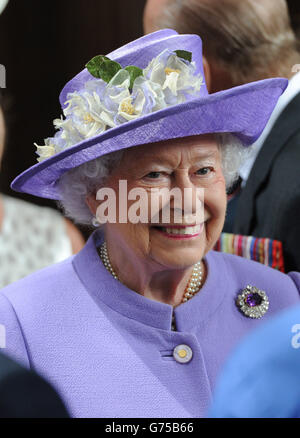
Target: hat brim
(243,111)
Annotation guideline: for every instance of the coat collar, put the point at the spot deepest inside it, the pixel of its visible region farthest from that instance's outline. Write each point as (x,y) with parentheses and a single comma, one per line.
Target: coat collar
(284,128)
(105,289)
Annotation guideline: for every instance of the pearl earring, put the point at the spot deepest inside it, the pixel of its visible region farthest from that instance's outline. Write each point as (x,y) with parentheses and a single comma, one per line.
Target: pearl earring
(95,222)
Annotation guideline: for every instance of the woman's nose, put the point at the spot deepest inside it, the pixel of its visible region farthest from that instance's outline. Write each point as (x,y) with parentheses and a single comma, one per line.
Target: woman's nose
(191,195)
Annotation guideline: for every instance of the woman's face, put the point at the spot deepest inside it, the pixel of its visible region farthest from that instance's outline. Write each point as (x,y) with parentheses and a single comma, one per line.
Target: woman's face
(194,163)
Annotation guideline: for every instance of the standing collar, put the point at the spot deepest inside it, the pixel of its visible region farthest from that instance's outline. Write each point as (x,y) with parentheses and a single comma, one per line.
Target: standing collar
(105,289)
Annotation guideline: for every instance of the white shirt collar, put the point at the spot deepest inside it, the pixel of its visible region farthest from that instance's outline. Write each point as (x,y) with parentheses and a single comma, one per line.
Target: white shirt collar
(291,91)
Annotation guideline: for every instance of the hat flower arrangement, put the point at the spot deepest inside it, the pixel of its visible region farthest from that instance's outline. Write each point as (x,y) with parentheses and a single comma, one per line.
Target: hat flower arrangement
(117,95)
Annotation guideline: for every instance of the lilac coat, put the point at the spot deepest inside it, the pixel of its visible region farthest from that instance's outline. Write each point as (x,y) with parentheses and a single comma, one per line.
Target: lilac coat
(108,350)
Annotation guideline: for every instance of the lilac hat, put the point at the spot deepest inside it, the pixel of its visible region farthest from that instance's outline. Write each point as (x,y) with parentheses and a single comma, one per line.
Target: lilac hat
(162,97)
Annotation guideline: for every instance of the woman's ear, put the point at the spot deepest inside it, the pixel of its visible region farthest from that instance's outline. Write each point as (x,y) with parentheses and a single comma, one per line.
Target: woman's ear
(92,203)
(207,74)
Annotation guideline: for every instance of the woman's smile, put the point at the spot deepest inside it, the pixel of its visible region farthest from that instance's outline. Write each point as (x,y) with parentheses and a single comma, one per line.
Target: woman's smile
(180,232)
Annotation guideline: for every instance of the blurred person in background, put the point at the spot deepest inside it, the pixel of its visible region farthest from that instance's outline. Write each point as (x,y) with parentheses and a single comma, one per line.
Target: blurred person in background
(269,358)
(31,237)
(247,41)
(24,394)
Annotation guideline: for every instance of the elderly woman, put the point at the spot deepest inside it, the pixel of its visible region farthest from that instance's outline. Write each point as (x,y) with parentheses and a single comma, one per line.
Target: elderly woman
(139,323)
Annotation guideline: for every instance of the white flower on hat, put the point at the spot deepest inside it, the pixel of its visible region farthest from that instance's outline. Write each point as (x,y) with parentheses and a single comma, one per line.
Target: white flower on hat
(120,95)
(83,115)
(116,94)
(68,132)
(146,97)
(45,151)
(175,75)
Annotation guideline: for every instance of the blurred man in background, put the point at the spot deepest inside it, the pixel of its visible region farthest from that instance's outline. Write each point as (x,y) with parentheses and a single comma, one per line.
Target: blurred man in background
(246,41)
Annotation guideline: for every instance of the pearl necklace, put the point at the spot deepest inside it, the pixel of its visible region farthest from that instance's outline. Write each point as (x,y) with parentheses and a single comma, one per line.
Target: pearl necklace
(191,289)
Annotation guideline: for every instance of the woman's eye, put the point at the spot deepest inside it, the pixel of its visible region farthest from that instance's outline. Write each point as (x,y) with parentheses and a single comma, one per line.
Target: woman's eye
(153,175)
(204,171)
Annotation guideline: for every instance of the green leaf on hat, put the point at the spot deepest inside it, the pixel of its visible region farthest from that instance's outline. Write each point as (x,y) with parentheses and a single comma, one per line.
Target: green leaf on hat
(184,55)
(102,67)
(134,72)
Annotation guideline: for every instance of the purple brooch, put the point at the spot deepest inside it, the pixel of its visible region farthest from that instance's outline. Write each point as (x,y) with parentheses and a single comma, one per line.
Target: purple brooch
(253,302)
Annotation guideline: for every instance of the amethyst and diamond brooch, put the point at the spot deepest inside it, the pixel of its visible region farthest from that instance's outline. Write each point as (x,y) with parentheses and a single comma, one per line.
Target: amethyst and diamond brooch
(253,302)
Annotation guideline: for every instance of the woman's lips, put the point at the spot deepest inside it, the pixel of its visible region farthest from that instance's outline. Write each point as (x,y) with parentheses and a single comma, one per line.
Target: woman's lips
(180,231)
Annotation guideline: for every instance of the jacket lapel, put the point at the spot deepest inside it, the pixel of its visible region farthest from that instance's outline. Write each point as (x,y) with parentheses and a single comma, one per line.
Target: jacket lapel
(284,128)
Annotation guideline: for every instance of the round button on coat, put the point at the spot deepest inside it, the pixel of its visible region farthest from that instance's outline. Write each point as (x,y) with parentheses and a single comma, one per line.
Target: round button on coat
(182,353)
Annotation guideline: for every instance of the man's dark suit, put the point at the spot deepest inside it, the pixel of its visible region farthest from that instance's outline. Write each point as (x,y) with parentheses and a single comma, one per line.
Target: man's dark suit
(23,394)
(269,205)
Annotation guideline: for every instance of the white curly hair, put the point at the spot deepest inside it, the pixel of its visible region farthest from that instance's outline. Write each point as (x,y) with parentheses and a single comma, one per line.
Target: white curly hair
(76,184)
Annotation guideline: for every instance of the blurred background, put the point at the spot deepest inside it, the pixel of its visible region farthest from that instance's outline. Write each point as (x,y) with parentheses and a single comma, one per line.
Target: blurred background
(43,44)
(294,7)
